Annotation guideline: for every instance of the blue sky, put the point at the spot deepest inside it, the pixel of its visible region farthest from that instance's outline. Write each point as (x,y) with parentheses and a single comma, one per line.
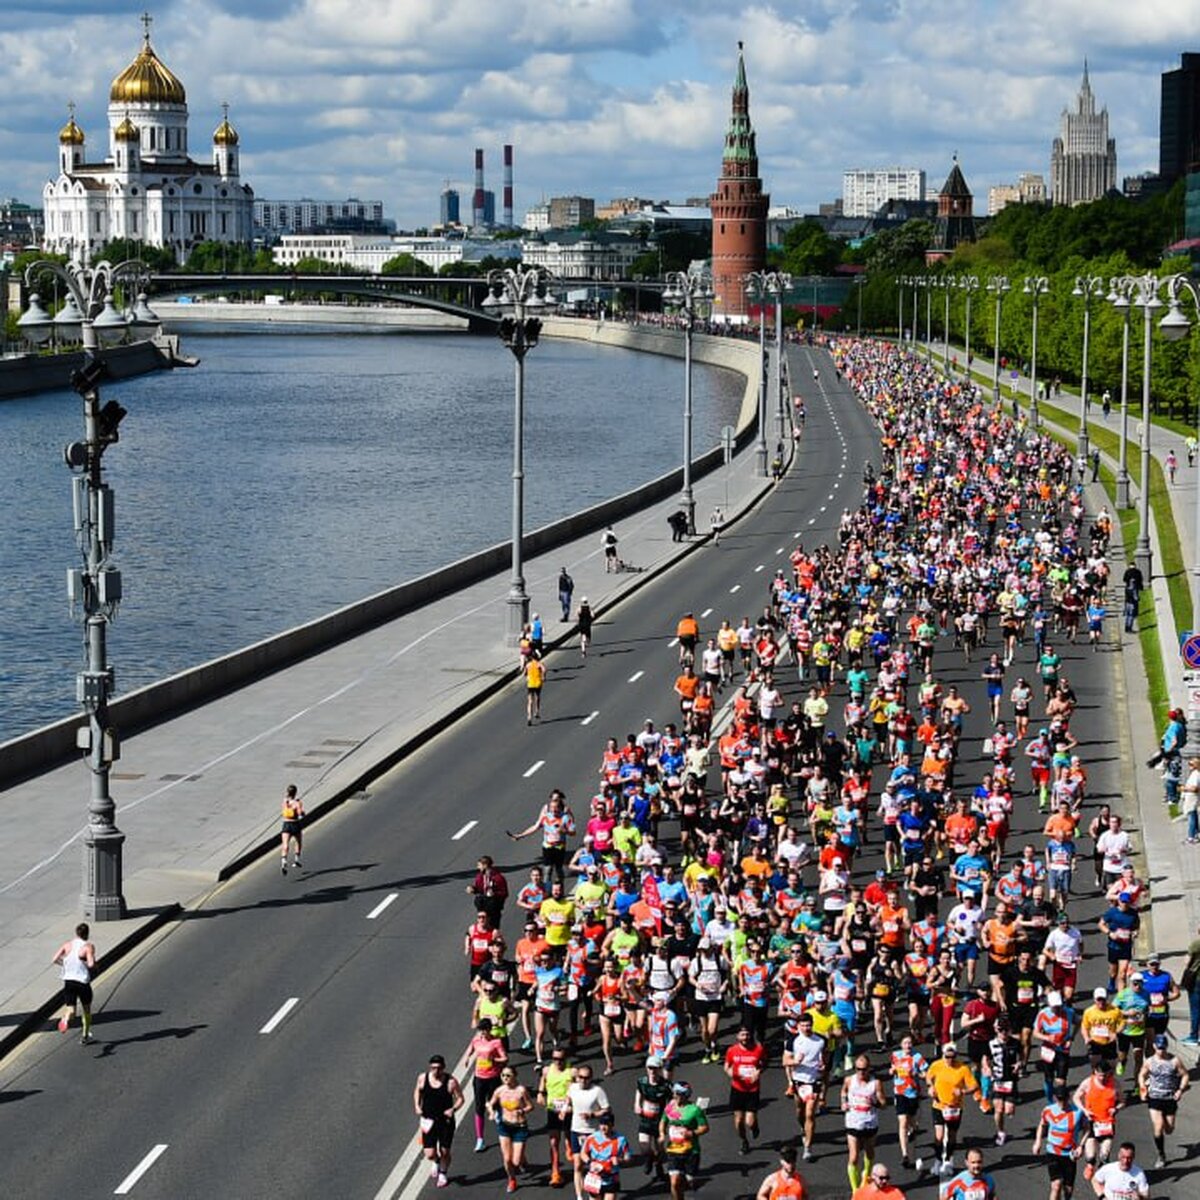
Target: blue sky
(386,99)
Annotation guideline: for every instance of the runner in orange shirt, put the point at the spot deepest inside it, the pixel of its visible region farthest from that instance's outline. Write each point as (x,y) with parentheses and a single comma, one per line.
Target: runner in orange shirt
(1100,1098)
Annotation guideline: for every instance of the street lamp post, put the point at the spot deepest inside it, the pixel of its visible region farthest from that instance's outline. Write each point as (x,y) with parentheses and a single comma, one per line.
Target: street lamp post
(91,317)
(1035,286)
(969,284)
(1086,286)
(687,292)
(947,284)
(519,295)
(927,283)
(1175,325)
(1118,295)
(998,285)
(761,285)
(862,279)
(901,283)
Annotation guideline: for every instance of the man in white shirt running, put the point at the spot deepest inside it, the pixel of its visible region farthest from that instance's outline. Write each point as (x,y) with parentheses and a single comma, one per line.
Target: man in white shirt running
(77,958)
(1123,1179)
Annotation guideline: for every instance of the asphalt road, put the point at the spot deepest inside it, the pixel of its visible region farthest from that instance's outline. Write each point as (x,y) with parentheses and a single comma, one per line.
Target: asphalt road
(319,1105)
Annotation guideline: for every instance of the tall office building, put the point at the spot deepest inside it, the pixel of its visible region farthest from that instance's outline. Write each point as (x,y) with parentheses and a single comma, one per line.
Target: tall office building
(1179,121)
(866,191)
(739,207)
(1083,159)
(449,211)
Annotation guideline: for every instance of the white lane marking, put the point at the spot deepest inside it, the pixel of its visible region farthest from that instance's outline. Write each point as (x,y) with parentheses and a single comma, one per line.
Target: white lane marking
(126,1185)
(636,676)
(737,587)
(824,507)
(812,520)
(388,899)
(705,613)
(462,833)
(537,766)
(590,718)
(780,550)
(830,496)
(673,642)
(760,567)
(285,1008)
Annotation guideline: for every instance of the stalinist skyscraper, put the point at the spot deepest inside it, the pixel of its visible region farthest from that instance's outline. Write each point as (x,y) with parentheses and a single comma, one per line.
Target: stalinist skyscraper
(1083,159)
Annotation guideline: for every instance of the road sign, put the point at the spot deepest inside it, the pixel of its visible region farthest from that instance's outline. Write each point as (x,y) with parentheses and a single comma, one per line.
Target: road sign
(1190,652)
(1015,375)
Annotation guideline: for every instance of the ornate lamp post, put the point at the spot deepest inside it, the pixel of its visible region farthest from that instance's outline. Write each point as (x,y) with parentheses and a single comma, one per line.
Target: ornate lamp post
(1086,286)
(688,292)
(779,282)
(969,284)
(998,285)
(1175,325)
(90,316)
(1118,296)
(948,284)
(519,295)
(927,282)
(1035,286)
(756,290)
(901,284)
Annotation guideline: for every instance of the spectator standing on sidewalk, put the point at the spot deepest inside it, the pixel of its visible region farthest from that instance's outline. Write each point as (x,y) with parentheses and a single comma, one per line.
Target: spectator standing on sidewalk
(1191,801)
(566,589)
(1135,584)
(1095,456)
(1189,982)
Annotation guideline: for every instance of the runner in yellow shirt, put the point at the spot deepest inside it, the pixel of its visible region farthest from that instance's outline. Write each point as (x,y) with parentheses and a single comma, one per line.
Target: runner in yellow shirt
(949,1083)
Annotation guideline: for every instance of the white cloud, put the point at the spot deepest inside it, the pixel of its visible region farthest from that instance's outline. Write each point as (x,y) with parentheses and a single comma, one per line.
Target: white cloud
(388,98)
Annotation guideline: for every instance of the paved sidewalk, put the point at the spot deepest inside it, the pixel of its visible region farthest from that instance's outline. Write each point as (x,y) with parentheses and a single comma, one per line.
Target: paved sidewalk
(199,794)
(1173,866)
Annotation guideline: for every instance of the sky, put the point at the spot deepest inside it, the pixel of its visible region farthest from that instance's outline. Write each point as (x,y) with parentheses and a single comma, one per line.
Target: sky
(387,99)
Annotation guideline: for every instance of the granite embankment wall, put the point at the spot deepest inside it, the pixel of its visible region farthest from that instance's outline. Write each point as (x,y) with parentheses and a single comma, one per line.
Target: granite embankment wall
(356,318)
(52,744)
(27,374)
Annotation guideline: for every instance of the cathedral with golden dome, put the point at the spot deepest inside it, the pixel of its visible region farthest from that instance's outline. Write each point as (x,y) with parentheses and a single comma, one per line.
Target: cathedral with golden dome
(147,188)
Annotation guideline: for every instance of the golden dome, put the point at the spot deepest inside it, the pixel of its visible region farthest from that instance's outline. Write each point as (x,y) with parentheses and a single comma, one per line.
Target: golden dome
(71,134)
(127,131)
(225,134)
(147,81)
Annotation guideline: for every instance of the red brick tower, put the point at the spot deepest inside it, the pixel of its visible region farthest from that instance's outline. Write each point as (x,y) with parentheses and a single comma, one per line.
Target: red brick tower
(739,208)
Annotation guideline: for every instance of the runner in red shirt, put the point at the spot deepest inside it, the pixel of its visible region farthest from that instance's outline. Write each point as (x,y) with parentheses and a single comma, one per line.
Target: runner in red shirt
(745,1061)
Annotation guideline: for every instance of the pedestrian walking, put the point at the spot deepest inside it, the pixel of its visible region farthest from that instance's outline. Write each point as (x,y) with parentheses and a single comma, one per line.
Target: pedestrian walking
(1190,445)
(566,589)
(1106,403)
(1172,464)
(436,1098)
(77,959)
(1095,465)
(293,827)
(609,543)
(1189,982)
(1134,583)
(489,889)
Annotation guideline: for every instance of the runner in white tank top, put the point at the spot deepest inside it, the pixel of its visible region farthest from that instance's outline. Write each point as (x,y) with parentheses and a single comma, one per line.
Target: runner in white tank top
(77,958)
(862,1098)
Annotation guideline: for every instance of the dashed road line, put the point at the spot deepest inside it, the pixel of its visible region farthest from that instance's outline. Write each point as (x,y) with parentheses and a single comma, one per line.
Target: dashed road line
(390,898)
(636,676)
(590,717)
(737,587)
(705,613)
(127,1184)
(760,567)
(537,766)
(273,1024)
(462,833)
(673,642)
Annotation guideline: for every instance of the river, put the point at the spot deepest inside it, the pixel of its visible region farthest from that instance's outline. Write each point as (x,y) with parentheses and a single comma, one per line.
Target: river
(291,473)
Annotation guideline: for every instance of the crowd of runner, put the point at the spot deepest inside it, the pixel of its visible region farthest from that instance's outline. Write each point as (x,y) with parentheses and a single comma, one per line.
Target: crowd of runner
(707,902)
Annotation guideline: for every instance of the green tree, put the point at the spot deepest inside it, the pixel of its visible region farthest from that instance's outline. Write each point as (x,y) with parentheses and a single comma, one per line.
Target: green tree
(406,264)
(899,249)
(120,249)
(809,250)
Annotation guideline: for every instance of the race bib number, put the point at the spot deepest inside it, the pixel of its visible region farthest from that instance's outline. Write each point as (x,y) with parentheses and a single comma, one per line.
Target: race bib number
(1003,1087)
(612,1009)
(426,1124)
(747,1072)
(1102,1128)
(593,1181)
(950,1114)
(804,1091)
(1048,1053)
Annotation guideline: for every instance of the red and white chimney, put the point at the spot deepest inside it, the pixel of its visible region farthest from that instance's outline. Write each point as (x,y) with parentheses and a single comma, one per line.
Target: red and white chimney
(508,186)
(478,206)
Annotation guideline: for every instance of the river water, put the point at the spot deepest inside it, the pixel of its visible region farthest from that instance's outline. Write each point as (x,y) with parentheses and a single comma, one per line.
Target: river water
(291,473)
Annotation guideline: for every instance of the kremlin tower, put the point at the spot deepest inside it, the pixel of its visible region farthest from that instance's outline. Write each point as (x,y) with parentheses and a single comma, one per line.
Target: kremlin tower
(739,208)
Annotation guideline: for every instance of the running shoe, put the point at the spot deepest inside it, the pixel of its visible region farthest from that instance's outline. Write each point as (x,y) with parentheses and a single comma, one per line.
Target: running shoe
(62,1024)
(479,1146)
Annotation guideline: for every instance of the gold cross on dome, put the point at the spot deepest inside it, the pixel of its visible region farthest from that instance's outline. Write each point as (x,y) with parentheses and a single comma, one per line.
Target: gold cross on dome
(147,21)
(71,108)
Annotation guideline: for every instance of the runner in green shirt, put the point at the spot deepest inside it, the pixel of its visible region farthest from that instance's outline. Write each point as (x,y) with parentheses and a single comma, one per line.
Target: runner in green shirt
(683,1125)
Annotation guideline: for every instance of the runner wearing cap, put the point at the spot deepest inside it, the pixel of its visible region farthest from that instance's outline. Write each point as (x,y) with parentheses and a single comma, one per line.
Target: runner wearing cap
(650,1096)
(1134,1006)
(950,1082)
(682,1126)
(436,1099)
(1161,1083)
(1161,992)
(1052,1031)
(1100,1025)
(785,1182)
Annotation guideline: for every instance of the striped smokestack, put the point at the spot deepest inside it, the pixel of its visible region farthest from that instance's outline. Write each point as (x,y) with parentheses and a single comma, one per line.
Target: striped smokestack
(508,197)
(478,215)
